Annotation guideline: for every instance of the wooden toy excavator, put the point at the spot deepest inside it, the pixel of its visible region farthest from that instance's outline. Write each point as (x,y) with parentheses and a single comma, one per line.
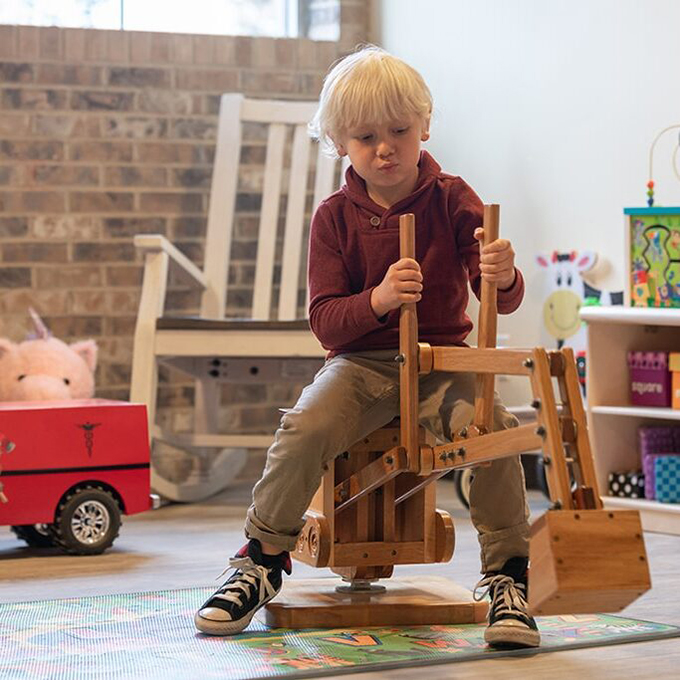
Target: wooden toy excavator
(375,507)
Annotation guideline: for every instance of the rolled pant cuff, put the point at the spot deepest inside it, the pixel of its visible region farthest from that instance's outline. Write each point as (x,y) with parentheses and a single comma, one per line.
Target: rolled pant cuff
(499,546)
(255,529)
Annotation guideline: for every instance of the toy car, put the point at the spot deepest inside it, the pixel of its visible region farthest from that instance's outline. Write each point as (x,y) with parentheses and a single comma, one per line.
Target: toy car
(70,469)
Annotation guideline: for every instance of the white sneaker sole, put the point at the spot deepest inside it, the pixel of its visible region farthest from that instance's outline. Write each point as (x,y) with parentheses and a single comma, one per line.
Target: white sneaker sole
(512,635)
(222,628)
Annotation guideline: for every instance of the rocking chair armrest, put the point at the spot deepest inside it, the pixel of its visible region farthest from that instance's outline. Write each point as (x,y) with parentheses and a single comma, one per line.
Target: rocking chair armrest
(157,242)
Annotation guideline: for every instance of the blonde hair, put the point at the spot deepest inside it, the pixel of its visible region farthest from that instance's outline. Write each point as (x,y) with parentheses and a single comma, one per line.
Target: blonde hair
(368,86)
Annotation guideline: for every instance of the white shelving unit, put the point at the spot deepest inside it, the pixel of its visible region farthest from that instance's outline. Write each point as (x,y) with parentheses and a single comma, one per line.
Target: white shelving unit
(612,421)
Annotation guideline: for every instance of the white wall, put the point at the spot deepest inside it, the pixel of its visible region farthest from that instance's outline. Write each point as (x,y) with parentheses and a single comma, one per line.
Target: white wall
(548,107)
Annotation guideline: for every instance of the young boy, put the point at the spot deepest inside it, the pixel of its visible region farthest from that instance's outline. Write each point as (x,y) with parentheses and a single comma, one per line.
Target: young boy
(376,109)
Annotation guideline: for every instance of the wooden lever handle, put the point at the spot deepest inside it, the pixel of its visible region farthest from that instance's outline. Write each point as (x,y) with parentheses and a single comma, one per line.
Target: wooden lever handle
(487,328)
(408,354)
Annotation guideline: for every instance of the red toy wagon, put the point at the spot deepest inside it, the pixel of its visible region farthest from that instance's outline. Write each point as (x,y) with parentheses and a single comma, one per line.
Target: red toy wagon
(69,469)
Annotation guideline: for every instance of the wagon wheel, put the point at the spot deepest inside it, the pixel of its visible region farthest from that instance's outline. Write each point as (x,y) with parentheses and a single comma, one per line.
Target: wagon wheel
(35,535)
(87,521)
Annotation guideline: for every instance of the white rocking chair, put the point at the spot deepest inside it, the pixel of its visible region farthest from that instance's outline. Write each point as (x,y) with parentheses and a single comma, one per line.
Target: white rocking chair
(272,344)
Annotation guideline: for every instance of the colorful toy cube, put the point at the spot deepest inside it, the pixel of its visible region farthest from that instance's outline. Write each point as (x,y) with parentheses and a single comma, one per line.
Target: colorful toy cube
(653,251)
(655,441)
(667,479)
(650,379)
(674,365)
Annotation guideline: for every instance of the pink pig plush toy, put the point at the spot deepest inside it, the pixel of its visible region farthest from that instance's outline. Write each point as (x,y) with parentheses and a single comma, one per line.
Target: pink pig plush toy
(45,368)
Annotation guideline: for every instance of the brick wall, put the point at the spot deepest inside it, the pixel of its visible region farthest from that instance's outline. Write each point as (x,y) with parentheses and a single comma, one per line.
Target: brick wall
(105,134)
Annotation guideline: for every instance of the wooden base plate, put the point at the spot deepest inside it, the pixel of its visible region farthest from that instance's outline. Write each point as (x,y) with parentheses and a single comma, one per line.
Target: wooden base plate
(412,601)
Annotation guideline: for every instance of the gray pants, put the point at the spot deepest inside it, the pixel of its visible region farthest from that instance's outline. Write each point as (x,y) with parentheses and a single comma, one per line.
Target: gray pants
(353,395)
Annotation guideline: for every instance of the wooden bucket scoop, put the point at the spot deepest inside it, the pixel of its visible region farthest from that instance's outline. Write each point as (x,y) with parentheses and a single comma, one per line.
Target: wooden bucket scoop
(586,561)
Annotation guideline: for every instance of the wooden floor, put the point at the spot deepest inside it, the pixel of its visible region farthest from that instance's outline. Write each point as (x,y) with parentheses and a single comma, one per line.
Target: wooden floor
(182,546)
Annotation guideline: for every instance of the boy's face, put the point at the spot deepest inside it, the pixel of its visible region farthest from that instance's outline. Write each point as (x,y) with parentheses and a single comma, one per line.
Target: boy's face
(386,154)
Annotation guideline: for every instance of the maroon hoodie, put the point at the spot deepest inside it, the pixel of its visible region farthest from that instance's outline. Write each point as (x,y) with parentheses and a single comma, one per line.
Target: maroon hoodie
(354,240)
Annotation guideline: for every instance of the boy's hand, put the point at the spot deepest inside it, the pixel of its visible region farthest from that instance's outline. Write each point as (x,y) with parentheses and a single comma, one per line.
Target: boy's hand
(402,283)
(497,260)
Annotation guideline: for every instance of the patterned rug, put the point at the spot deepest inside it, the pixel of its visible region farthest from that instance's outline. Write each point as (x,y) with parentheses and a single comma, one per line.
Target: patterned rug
(151,635)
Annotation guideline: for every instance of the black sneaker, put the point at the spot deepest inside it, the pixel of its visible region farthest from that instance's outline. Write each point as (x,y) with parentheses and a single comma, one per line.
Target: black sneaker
(257,578)
(509,621)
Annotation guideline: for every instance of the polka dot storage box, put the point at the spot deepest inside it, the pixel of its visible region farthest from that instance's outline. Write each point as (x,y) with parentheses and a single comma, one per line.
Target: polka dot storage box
(627,484)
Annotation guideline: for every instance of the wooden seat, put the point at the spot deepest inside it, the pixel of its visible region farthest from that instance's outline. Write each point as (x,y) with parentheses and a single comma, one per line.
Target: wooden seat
(398,524)
(274,342)
(376,506)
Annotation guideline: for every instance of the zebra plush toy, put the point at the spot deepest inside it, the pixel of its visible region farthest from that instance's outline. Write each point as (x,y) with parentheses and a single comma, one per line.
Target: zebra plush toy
(568,291)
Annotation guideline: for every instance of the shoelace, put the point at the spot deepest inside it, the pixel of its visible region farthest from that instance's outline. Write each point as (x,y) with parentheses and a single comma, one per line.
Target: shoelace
(250,573)
(510,596)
